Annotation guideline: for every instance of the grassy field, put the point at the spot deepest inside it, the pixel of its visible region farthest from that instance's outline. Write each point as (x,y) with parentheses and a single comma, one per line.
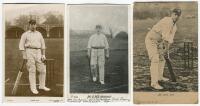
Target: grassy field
(13,61)
(187,30)
(116,68)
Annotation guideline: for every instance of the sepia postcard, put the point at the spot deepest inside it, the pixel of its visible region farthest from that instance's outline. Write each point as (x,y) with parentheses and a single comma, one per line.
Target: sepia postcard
(165,52)
(99,54)
(34,52)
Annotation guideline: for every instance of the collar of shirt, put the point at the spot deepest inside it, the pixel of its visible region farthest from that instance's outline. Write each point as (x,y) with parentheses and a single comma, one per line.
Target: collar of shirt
(98,35)
(173,23)
(29,31)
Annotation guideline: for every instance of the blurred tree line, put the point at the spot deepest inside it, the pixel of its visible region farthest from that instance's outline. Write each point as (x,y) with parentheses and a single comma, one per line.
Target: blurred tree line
(20,24)
(145,14)
(159,10)
(50,18)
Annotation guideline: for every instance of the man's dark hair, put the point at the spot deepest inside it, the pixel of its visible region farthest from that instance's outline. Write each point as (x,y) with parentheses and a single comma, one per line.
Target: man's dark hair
(177,11)
(98,26)
(32,22)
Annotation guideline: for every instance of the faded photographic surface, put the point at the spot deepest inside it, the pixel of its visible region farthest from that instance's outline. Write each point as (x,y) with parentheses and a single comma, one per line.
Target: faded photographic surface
(165,48)
(25,74)
(98,64)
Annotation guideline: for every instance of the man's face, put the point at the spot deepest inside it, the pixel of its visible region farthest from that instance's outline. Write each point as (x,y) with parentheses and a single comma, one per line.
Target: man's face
(32,27)
(98,30)
(175,17)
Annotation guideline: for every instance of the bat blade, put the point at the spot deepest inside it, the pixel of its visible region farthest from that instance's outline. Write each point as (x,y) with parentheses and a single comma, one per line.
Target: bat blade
(171,72)
(90,71)
(17,83)
(19,75)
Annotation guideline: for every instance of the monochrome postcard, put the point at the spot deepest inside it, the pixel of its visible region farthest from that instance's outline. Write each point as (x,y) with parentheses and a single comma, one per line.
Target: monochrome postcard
(165,52)
(34,52)
(99,55)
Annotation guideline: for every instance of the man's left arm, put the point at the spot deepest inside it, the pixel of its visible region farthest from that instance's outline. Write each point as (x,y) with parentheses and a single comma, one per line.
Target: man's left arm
(106,47)
(168,36)
(43,47)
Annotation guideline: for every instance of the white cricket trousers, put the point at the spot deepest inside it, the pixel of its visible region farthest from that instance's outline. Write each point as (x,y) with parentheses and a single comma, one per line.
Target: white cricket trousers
(98,58)
(157,60)
(34,63)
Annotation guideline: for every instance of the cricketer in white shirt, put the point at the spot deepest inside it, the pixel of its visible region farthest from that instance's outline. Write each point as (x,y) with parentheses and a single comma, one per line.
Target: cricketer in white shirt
(157,42)
(33,48)
(97,51)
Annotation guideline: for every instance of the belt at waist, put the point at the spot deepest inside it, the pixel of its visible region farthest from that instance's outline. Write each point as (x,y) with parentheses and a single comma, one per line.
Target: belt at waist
(98,47)
(32,48)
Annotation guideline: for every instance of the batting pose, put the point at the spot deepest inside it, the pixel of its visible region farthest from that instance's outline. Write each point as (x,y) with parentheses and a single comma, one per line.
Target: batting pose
(32,46)
(98,49)
(158,41)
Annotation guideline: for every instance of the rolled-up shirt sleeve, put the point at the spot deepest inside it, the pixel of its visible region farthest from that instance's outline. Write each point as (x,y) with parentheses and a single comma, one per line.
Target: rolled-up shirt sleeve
(43,46)
(106,43)
(166,34)
(171,39)
(168,30)
(22,42)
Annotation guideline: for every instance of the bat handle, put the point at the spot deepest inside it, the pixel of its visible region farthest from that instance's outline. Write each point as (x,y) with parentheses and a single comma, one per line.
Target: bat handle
(45,61)
(23,63)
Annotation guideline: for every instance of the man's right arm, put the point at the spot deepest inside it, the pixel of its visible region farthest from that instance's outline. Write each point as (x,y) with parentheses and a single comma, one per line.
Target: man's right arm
(21,46)
(89,47)
(89,52)
(24,54)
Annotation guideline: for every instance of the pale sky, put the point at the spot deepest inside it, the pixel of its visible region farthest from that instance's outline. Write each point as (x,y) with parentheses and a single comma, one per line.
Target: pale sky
(13,11)
(85,17)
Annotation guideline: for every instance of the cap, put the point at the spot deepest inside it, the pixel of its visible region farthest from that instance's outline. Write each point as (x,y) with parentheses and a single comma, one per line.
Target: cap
(177,11)
(32,22)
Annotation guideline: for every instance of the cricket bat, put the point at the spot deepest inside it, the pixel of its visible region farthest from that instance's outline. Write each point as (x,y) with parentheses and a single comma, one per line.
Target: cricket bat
(19,75)
(90,71)
(171,72)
